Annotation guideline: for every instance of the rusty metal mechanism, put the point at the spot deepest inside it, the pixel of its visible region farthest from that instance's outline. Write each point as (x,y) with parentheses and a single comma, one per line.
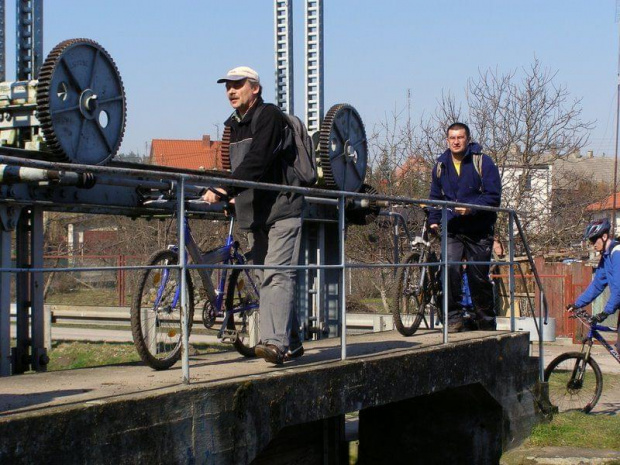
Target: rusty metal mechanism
(362,211)
(81,103)
(343,148)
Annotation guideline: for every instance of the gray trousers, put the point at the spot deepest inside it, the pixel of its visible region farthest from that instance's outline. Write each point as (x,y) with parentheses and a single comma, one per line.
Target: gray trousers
(277,244)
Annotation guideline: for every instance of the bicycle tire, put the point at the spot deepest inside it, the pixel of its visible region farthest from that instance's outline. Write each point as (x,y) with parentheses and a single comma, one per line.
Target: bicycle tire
(410,302)
(567,394)
(244,322)
(157,332)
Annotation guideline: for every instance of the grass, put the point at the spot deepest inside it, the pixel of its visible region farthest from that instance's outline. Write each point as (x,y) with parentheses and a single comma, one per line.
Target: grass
(67,355)
(81,297)
(581,430)
(577,429)
(71,355)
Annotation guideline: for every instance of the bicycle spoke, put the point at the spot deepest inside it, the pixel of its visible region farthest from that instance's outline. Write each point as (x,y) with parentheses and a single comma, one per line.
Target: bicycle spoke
(573,384)
(156,312)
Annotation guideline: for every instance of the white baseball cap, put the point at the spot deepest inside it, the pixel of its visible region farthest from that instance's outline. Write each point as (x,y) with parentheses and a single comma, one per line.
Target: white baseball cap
(241,72)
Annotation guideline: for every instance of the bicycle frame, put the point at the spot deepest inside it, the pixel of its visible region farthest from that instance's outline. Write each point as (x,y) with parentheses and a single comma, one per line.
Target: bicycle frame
(227,254)
(593,332)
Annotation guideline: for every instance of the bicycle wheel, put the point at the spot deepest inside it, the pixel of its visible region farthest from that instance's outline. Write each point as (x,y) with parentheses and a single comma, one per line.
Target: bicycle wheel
(567,389)
(411,297)
(242,307)
(156,312)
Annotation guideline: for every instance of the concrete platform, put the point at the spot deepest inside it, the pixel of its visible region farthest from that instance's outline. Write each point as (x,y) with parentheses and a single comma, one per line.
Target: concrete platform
(234,407)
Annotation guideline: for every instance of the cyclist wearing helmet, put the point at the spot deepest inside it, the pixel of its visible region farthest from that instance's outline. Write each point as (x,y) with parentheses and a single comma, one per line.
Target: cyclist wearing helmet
(607,272)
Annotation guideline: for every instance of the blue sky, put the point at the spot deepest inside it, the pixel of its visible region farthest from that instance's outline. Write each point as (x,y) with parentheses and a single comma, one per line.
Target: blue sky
(170,54)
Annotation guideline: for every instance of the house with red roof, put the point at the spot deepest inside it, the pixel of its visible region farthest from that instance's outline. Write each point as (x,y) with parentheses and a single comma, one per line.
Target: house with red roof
(201,154)
(604,209)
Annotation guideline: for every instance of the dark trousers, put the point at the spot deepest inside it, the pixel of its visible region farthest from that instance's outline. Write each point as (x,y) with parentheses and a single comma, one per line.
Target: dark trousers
(472,249)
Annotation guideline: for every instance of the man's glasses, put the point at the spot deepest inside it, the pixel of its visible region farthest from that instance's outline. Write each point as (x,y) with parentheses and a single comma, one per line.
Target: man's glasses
(593,240)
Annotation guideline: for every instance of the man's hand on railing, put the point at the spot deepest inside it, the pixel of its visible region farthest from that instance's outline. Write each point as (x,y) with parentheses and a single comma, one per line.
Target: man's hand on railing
(570,308)
(215,194)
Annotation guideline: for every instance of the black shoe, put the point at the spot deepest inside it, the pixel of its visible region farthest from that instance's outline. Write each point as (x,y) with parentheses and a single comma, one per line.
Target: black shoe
(271,353)
(455,326)
(469,324)
(487,325)
(294,353)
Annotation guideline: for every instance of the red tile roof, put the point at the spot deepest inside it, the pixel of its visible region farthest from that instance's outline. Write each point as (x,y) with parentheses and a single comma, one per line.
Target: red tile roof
(605,204)
(188,154)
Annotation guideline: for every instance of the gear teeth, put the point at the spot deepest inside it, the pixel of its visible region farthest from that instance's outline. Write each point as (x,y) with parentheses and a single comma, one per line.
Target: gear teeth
(324,138)
(43,100)
(225,151)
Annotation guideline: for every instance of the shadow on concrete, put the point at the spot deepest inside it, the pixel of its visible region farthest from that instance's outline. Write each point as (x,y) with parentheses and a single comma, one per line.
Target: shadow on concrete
(11,402)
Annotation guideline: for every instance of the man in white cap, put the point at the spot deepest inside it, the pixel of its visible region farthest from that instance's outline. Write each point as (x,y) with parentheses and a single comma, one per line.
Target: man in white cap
(272,218)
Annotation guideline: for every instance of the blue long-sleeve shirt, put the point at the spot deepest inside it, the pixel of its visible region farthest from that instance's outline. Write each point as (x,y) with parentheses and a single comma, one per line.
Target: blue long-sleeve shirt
(467,187)
(607,274)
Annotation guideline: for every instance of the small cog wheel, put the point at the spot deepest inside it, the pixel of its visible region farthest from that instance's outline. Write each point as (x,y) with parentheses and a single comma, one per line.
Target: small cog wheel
(343,148)
(81,103)
(366,215)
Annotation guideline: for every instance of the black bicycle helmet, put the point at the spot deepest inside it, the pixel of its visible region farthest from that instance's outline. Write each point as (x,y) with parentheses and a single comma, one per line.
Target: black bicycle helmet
(596,229)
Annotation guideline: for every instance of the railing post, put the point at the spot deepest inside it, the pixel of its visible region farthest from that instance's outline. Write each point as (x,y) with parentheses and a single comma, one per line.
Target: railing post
(396,251)
(444,259)
(541,358)
(183,270)
(511,270)
(343,297)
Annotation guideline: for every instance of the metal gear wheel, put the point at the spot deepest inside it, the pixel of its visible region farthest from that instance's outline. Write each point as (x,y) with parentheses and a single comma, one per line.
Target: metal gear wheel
(343,148)
(225,150)
(81,103)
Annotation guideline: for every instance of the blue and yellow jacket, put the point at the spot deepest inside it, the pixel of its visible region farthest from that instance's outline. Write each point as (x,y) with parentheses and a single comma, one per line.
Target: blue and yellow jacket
(468,187)
(607,274)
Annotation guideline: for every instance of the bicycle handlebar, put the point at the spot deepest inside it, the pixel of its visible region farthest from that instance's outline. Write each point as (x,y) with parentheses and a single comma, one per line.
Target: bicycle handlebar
(580,314)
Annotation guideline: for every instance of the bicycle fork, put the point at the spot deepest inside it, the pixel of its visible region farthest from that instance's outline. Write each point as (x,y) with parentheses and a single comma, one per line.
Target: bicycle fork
(579,370)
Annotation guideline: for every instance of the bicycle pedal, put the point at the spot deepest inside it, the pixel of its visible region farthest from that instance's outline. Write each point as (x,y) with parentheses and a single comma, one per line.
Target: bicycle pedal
(229,335)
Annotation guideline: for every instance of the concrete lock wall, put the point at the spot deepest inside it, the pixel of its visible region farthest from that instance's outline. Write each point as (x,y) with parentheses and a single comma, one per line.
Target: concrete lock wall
(481,387)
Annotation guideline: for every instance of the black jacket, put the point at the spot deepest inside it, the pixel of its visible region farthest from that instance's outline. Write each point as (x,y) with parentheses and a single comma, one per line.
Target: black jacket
(257,157)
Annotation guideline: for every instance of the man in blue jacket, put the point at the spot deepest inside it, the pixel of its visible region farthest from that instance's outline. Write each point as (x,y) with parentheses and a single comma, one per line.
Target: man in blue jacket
(607,272)
(463,174)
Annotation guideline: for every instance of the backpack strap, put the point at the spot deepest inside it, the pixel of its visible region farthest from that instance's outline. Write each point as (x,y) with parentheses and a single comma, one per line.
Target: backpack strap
(477,161)
(255,116)
(438,170)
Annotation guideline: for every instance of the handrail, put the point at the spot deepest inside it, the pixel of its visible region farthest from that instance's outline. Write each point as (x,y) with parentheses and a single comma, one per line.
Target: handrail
(180,183)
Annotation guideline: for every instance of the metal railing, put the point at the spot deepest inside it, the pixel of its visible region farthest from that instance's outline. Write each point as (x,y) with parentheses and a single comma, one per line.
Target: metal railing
(180,183)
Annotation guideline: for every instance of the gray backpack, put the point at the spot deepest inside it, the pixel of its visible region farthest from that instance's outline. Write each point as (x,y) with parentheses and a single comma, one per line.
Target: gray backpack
(297,148)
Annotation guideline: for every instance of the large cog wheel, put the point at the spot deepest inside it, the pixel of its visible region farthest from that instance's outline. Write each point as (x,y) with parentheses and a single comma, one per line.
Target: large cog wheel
(343,148)
(225,150)
(81,103)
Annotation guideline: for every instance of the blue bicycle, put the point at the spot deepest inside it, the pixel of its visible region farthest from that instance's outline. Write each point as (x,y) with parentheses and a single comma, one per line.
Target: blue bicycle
(575,379)
(156,306)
